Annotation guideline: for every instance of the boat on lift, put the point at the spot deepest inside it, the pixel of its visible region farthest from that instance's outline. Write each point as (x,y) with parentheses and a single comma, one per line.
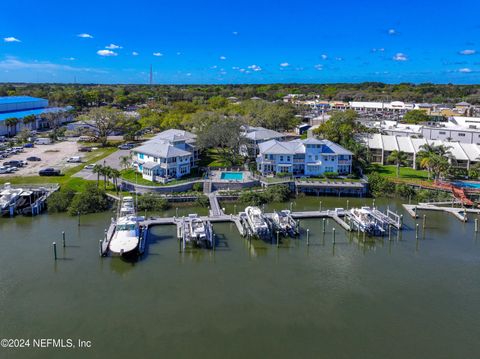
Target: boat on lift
(8,197)
(257,222)
(197,228)
(284,222)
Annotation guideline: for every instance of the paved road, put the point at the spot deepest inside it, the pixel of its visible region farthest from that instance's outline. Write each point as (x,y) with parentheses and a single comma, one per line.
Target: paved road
(113,161)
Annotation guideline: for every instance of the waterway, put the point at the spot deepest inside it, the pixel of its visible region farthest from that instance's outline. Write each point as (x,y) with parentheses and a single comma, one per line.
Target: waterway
(403,298)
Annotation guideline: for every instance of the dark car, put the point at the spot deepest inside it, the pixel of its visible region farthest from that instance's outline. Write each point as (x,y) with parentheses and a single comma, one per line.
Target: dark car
(33,158)
(85,149)
(13,163)
(28,145)
(49,172)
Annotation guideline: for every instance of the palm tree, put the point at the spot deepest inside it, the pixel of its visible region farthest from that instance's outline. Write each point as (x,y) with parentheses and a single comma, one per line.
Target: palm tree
(106,172)
(115,174)
(98,170)
(10,123)
(28,120)
(429,157)
(125,161)
(399,158)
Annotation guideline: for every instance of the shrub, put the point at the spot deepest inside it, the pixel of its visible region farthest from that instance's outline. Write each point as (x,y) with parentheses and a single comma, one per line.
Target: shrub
(91,200)
(202,201)
(380,186)
(197,187)
(330,174)
(152,202)
(277,193)
(60,201)
(404,190)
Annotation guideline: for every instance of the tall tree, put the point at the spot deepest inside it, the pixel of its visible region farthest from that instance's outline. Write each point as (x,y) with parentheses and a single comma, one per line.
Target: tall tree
(103,122)
(399,158)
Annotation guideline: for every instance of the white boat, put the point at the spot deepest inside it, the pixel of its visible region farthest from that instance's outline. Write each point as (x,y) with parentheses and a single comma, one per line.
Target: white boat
(9,196)
(125,237)
(126,232)
(364,219)
(197,228)
(257,221)
(284,222)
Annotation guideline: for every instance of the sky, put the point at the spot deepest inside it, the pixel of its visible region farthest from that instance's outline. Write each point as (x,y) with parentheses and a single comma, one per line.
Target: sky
(221,42)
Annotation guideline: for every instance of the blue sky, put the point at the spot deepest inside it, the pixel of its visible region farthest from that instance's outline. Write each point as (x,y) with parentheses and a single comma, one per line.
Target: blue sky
(240,41)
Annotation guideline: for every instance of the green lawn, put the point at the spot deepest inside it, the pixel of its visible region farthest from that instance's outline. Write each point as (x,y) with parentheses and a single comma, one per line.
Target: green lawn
(66,180)
(406,173)
(129,175)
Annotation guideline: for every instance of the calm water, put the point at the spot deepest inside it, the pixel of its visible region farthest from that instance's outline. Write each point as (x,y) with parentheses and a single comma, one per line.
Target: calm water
(397,299)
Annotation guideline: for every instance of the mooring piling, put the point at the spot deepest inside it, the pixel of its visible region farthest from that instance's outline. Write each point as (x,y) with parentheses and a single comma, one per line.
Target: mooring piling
(308,236)
(63,239)
(55,250)
(333,233)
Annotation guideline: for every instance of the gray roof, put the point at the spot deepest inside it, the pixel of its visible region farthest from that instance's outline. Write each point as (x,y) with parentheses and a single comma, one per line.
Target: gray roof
(173,135)
(275,147)
(150,165)
(260,133)
(160,149)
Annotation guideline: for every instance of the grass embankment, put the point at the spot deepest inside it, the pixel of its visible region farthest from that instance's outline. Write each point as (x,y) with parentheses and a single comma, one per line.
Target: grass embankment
(407,175)
(129,175)
(66,180)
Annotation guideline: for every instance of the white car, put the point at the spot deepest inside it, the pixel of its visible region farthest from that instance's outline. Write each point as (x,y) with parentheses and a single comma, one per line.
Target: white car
(89,167)
(74,159)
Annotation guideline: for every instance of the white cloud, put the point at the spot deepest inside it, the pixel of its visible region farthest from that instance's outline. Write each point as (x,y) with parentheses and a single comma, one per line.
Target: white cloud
(179,53)
(11,39)
(284,64)
(69,58)
(189,74)
(319,67)
(213,67)
(106,53)
(255,68)
(235,68)
(468,52)
(85,36)
(465,70)
(134,53)
(235,33)
(158,54)
(324,57)
(222,57)
(392,31)
(113,47)
(381,49)
(15,64)
(400,57)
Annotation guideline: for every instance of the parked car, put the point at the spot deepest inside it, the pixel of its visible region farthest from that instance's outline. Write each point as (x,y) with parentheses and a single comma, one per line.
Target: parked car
(13,163)
(28,145)
(89,167)
(74,159)
(33,158)
(43,141)
(125,146)
(85,149)
(49,172)
(4,169)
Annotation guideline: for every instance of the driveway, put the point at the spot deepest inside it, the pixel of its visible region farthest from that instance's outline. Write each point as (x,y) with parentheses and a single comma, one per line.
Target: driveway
(112,161)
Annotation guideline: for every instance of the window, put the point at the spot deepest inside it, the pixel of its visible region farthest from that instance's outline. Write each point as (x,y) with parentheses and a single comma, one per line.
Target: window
(281,158)
(461,135)
(266,157)
(288,158)
(141,156)
(442,133)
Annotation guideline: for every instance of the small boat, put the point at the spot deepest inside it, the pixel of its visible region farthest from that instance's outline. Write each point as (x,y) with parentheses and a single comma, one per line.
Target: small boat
(364,219)
(257,221)
(197,228)
(284,222)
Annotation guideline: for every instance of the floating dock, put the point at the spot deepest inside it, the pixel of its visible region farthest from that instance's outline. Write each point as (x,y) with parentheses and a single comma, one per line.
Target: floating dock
(459,213)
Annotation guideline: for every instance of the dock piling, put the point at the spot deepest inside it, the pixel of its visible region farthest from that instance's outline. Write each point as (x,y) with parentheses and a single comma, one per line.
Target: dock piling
(323,225)
(476,224)
(63,239)
(424,220)
(320,206)
(389,232)
(347,204)
(55,250)
(333,232)
(78,213)
(308,236)
(278,238)
(416,231)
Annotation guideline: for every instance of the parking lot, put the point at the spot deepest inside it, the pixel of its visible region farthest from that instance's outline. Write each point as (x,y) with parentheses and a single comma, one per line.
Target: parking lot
(54,155)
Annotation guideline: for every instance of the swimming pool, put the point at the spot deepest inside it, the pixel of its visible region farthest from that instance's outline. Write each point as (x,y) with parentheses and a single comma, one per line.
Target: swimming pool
(467,184)
(236,176)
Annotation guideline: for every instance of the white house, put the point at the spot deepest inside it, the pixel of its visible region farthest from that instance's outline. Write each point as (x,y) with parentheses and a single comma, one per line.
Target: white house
(310,157)
(253,136)
(170,154)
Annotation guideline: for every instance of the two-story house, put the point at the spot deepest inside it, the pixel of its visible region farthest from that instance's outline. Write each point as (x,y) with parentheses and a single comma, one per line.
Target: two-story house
(310,157)
(170,154)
